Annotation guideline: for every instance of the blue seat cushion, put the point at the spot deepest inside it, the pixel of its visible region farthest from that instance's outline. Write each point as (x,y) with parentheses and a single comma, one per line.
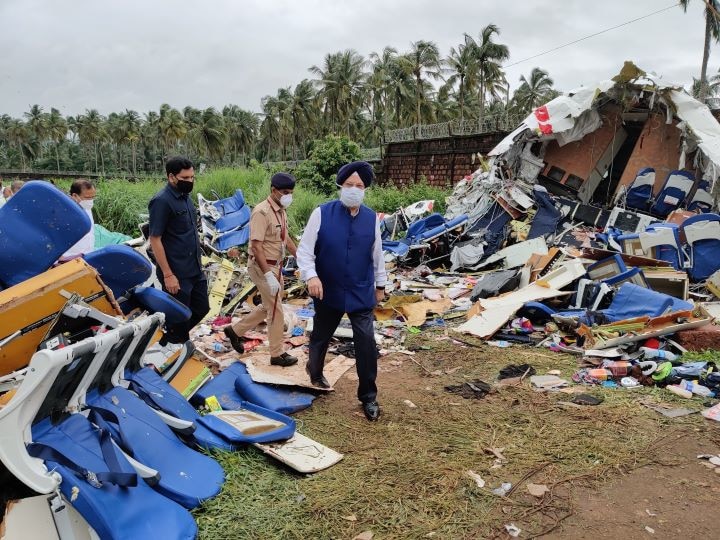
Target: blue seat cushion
(634,301)
(37,225)
(154,300)
(210,431)
(232,239)
(117,513)
(223,386)
(120,267)
(230,204)
(186,476)
(233,221)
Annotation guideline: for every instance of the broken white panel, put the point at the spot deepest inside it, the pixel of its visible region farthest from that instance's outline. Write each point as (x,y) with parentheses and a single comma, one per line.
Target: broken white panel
(498,310)
(700,121)
(587,122)
(564,274)
(518,254)
(301,453)
(556,116)
(520,197)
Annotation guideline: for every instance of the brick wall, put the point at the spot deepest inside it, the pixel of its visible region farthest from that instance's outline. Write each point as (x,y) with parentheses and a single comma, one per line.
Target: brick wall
(658,147)
(443,162)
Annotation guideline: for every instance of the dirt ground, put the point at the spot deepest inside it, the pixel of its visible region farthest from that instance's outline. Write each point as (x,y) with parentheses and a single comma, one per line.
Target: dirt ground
(665,493)
(675,500)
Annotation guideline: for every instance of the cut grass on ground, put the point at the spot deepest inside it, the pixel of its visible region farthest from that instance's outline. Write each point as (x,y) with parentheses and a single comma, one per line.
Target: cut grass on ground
(405,477)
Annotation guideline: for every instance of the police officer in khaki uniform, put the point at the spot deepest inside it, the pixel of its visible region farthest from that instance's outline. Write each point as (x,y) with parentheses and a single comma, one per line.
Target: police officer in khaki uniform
(268,239)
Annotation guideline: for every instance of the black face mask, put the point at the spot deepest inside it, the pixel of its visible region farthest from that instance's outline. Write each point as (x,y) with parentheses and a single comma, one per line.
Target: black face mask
(184,186)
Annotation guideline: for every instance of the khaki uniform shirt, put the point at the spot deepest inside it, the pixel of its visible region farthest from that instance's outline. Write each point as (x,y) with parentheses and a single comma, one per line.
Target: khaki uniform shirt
(268,224)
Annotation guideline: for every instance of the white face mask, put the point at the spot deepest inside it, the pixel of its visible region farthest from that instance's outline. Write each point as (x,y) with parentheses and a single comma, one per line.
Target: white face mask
(87,204)
(352,197)
(285,200)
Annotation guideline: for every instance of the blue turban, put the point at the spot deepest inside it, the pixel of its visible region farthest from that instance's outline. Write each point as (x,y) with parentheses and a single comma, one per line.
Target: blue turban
(363,168)
(282,180)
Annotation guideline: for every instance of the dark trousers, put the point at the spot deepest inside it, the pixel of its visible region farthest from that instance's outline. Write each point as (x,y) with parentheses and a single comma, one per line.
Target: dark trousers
(325,323)
(194,294)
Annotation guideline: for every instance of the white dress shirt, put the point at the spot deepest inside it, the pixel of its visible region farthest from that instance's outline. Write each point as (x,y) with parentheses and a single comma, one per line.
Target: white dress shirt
(86,244)
(306,251)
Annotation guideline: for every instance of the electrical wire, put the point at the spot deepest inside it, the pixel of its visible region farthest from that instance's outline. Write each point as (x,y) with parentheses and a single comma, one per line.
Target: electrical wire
(676,4)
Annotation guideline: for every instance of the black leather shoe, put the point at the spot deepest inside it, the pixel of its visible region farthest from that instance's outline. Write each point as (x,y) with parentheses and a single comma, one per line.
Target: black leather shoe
(371,410)
(283,360)
(322,382)
(237,342)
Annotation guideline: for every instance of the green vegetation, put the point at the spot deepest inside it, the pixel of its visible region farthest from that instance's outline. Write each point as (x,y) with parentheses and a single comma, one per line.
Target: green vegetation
(121,206)
(406,476)
(326,157)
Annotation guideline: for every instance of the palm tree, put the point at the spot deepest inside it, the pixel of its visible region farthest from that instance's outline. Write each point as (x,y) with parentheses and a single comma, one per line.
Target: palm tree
(152,137)
(130,121)
(379,86)
(489,57)
(302,113)
(36,122)
(91,131)
(242,127)
(57,128)
(423,59)
(172,127)
(207,133)
(534,91)
(712,31)
(461,64)
(17,133)
(340,82)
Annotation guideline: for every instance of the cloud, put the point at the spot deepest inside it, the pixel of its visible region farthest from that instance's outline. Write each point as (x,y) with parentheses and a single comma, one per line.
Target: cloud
(138,54)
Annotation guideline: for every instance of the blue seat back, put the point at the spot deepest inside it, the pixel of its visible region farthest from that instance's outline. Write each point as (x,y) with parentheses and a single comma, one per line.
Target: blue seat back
(231,204)
(701,200)
(634,301)
(675,190)
(238,237)
(704,253)
(640,192)
(37,225)
(234,220)
(120,267)
(416,229)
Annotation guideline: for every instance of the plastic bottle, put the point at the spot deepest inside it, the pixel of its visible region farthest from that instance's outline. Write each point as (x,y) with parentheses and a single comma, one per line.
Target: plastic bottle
(657,353)
(219,347)
(696,388)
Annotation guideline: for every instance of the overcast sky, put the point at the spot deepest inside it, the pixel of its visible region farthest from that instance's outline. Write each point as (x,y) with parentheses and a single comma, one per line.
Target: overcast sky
(136,54)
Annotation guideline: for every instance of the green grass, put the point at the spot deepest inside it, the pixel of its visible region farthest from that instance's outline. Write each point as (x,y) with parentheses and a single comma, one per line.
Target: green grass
(404,477)
(120,204)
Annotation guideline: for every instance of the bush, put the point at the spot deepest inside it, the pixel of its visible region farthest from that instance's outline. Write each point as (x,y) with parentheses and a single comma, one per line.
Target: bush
(388,199)
(326,157)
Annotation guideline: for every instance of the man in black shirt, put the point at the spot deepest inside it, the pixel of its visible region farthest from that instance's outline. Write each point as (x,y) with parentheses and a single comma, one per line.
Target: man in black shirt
(175,243)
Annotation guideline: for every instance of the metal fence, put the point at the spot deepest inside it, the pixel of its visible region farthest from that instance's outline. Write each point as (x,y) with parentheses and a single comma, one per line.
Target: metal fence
(489,124)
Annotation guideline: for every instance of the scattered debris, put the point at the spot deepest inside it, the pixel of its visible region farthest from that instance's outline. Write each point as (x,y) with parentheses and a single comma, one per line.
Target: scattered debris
(537,490)
(479,482)
(476,389)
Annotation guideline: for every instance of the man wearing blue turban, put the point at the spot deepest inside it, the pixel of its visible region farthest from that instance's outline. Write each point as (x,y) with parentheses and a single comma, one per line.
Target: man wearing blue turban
(341,260)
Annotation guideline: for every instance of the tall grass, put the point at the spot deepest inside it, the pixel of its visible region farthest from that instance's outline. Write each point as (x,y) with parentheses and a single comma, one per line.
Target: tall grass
(121,205)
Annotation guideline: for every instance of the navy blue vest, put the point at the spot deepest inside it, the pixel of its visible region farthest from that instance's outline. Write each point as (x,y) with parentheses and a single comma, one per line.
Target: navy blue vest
(344,257)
